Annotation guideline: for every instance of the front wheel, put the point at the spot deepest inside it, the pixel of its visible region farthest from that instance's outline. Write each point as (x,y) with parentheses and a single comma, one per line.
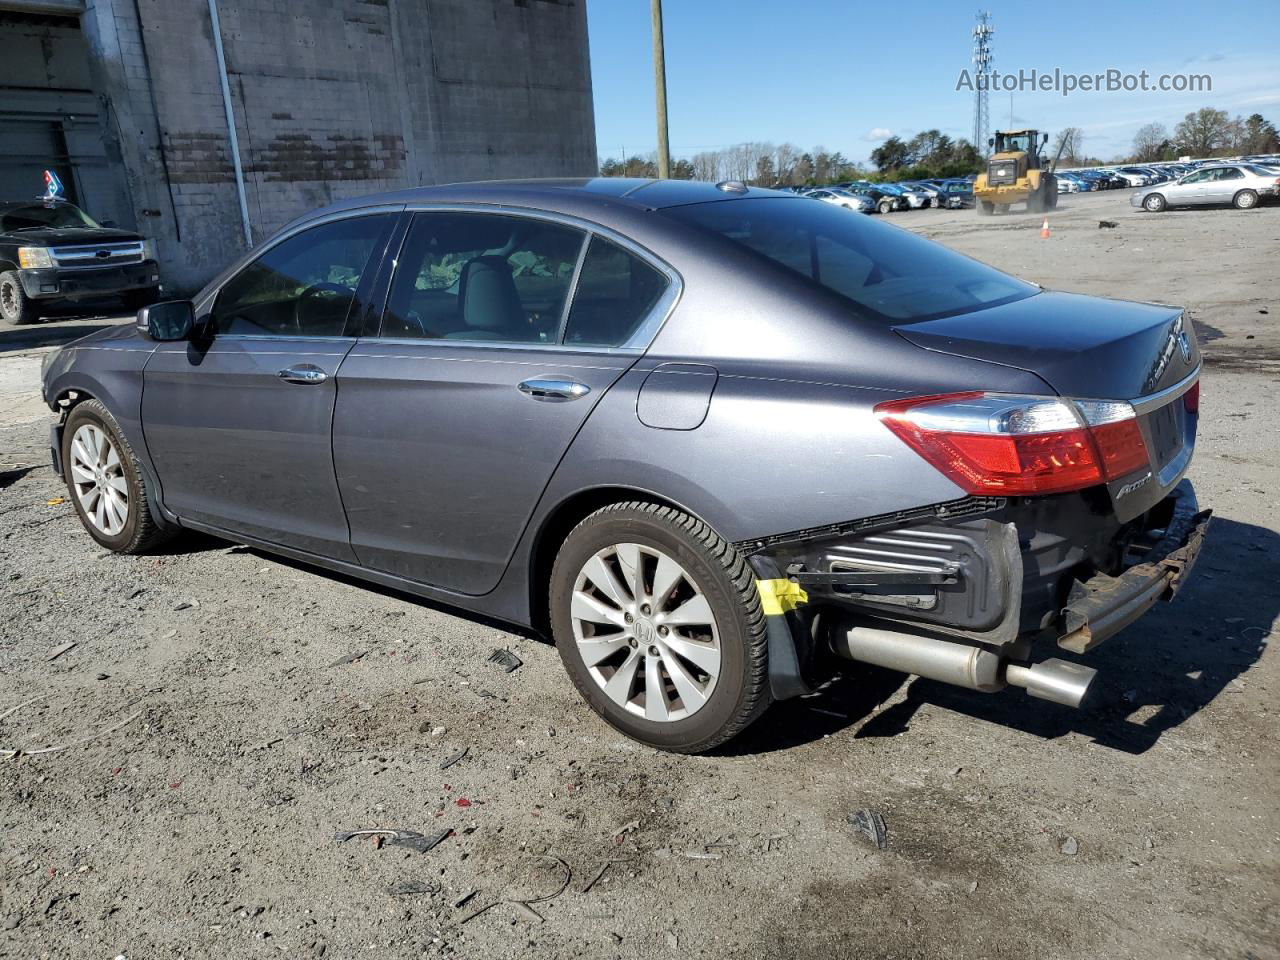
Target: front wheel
(885,206)
(985,208)
(659,625)
(15,306)
(1245,199)
(105,481)
(1154,203)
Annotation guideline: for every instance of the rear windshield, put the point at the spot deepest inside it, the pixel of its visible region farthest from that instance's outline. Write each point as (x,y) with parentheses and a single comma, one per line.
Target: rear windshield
(38,216)
(887,273)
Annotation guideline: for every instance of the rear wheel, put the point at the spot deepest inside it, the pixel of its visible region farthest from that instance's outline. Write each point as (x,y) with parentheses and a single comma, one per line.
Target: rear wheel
(885,206)
(985,208)
(105,481)
(15,306)
(1154,203)
(658,622)
(1245,199)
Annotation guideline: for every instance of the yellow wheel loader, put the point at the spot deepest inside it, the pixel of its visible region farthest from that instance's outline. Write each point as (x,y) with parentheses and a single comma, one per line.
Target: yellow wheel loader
(1017,173)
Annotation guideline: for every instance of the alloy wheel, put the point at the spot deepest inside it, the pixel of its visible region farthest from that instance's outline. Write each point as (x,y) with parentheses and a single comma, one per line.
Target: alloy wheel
(646,632)
(97,475)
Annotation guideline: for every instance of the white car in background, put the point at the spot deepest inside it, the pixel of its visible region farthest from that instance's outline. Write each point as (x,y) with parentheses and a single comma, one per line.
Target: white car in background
(843,198)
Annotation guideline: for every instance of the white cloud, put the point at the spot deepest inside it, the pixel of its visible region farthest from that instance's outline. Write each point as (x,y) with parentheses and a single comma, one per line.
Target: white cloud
(879,133)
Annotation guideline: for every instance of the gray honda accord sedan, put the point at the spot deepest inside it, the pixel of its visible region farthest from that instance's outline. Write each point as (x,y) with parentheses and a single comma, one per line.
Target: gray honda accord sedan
(712,439)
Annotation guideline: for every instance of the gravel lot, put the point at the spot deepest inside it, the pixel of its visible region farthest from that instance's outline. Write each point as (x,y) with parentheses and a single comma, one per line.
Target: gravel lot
(204,826)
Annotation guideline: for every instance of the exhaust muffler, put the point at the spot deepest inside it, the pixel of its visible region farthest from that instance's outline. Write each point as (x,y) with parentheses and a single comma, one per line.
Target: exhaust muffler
(964,665)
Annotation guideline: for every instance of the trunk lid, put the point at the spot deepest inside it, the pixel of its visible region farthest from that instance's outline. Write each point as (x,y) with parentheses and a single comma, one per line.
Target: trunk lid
(1081,346)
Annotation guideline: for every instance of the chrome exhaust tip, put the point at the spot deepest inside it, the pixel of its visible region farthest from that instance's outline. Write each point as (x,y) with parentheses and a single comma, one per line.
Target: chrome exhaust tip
(1060,681)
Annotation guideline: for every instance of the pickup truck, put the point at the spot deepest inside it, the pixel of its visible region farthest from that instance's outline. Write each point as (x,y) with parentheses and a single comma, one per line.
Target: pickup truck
(54,255)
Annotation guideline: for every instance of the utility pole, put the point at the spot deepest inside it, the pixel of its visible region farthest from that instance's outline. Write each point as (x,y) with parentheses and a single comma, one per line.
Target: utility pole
(660,86)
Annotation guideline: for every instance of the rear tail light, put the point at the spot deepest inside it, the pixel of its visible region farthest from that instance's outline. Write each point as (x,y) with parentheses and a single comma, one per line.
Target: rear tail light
(1020,445)
(1191,399)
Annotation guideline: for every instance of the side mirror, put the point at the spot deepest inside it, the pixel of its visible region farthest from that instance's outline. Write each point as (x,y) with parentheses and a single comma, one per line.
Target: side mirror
(991,141)
(172,320)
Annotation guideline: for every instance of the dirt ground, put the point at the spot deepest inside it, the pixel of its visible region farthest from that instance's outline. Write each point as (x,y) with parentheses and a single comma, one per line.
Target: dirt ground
(204,825)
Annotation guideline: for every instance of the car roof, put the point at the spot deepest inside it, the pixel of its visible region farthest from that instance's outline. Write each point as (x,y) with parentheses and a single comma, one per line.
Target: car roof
(636,192)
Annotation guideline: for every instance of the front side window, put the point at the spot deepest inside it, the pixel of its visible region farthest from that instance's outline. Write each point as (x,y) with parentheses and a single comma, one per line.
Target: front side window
(482,277)
(616,292)
(884,272)
(303,286)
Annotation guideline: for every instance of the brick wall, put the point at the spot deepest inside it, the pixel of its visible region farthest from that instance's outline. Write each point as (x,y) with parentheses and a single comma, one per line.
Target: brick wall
(334,99)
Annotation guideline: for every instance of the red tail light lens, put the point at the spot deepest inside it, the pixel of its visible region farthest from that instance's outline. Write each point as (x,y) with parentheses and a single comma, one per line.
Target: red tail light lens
(1191,399)
(1020,445)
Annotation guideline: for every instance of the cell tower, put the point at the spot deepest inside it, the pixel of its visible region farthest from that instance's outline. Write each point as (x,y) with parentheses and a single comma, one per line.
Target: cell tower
(982,34)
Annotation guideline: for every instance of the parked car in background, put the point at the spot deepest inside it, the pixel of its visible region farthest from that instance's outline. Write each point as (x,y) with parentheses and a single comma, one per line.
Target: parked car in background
(885,201)
(843,198)
(935,194)
(1242,185)
(53,256)
(959,194)
(542,402)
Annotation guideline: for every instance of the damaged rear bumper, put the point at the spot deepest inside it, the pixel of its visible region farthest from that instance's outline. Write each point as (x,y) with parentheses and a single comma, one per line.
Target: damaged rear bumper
(974,587)
(1102,606)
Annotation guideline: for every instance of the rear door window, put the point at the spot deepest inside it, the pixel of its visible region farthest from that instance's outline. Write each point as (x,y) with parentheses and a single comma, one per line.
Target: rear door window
(482,277)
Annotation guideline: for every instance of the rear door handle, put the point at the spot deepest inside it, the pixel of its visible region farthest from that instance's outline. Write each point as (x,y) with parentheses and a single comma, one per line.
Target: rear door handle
(303,373)
(553,391)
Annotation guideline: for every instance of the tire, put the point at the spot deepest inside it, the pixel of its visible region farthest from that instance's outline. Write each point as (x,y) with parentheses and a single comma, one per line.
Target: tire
(885,206)
(985,208)
(1051,201)
(698,709)
(1154,203)
(138,532)
(135,300)
(15,306)
(1245,200)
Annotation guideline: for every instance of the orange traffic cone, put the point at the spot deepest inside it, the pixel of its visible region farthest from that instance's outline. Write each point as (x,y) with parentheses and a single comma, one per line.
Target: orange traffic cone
(1044,229)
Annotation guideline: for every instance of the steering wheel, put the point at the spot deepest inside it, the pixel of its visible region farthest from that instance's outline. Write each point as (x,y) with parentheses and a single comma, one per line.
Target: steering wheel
(313,294)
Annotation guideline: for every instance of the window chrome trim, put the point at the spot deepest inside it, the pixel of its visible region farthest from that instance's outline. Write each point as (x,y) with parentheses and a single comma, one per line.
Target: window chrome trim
(1154,401)
(644,334)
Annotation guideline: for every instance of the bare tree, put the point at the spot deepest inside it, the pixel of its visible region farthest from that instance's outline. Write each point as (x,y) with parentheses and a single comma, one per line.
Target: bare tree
(1069,146)
(785,156)
(706,165)
(1149,142)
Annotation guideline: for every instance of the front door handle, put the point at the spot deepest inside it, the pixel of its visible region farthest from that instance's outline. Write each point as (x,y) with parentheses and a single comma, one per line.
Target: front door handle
(554,391)
(303,373)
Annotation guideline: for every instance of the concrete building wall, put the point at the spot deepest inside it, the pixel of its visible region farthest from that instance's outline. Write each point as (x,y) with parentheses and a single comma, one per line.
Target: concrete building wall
(331,98)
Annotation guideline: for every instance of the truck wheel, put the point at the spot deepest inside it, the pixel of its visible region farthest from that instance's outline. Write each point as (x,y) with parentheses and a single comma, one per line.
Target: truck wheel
(985,208)
(1245,199)
(105,481)
(1035,202)
(15,306)
(659,625)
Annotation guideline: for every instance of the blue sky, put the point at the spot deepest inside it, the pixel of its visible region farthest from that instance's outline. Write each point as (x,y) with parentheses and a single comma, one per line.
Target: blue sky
(843,75)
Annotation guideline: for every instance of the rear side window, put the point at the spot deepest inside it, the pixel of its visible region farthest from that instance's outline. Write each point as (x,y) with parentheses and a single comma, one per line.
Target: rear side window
(616,291)
(303,286)
(884,272)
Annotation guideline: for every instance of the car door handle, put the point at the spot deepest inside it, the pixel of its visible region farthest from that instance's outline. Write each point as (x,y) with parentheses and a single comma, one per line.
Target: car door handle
(553,391)
(303,373)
